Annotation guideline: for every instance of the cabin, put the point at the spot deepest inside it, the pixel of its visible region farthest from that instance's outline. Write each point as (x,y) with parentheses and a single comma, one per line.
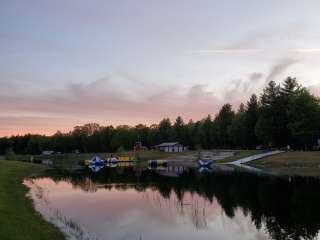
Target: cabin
(170,147)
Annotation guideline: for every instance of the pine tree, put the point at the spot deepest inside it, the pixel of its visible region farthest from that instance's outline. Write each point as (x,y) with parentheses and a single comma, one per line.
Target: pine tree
(223,121)
(251,118)
(270,124)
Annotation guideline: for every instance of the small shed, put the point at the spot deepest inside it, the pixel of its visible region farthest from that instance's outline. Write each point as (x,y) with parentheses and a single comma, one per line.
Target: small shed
(170,147)
(47,152)
(47,162)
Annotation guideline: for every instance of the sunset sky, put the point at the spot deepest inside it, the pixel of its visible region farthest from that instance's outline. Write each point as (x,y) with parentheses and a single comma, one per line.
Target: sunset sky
(66,62)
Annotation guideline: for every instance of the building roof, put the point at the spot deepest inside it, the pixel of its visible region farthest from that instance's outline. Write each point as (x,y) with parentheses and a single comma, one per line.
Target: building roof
(168,144)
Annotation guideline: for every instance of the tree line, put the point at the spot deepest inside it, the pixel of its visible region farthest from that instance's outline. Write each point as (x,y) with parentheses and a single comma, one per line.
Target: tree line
(284,114)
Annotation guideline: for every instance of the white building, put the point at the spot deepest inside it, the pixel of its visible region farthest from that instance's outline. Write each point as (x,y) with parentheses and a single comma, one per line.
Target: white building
(171,147)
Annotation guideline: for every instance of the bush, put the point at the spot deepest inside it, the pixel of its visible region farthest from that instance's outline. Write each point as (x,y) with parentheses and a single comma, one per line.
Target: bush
(121,150)
(9,154)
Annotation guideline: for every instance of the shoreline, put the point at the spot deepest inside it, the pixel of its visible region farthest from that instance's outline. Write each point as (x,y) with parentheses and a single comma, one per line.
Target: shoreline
(19,219)
(17,207)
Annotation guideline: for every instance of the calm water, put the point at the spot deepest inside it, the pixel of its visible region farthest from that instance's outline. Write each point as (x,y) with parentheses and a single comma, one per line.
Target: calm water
(131,203)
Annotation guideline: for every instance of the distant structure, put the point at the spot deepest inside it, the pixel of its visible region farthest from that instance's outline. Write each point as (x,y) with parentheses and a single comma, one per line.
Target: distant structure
(317,147)
(47,152)
(76,151)
(47,162)
(170,147)
(139,147)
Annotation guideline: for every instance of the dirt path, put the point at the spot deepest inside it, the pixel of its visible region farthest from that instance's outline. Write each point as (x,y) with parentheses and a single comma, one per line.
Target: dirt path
(255,157)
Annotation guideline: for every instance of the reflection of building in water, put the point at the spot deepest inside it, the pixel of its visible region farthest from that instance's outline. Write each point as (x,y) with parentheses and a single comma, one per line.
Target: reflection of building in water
(173,171)
(170,171)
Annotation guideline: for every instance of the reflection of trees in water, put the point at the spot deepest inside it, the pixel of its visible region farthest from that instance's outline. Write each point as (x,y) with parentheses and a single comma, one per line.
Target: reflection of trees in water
(287,209)
(89,185)
(199,218)
(192,208)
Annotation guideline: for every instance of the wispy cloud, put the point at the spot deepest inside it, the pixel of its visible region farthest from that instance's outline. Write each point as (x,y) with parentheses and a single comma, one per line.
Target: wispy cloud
(305,50)
(254,50)
(226,50)
(275,39)
(279,68)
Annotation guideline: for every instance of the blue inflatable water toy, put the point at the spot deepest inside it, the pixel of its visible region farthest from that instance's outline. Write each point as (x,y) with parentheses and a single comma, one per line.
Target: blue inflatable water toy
(95,168)
(201,163)
(204,166)
(96,164)
(97,161)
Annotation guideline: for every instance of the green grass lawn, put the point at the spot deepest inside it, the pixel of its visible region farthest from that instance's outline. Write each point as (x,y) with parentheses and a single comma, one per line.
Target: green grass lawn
(239,154)
(291,163)
(70,160)
(18,219)
(150,155)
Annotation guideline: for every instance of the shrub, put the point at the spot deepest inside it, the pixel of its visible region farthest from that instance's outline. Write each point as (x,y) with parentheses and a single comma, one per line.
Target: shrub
(9,154)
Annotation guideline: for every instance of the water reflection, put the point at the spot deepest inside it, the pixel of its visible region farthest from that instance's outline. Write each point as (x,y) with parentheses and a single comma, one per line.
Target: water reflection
(181,203)
(96,164)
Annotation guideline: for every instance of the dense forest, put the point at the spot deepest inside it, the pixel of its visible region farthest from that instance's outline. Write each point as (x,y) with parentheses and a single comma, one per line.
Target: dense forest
(284,114)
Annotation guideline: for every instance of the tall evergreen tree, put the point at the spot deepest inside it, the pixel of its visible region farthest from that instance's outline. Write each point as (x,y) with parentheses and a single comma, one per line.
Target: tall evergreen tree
(288,91)
(290,87)
(165,131)
(223,121)
(238,131)
(304,114)
(270,124)
(206,132)
(181,131)
(251,118)
(241,108)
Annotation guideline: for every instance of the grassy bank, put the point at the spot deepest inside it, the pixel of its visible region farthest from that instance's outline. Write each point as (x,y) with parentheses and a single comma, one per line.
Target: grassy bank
(291,163)
(18,219)
(70,160)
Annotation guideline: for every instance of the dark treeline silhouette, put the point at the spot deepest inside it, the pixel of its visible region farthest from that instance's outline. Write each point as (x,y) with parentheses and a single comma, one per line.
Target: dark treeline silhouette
(288,209)
(284,114)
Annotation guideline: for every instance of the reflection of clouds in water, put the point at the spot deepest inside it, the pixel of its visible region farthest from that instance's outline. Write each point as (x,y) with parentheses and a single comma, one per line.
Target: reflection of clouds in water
(40,196)
(121,212)
(243,226)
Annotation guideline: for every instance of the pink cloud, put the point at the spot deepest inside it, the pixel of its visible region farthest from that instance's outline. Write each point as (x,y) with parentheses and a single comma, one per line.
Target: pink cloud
(37,125)
(105,102)
(126,100)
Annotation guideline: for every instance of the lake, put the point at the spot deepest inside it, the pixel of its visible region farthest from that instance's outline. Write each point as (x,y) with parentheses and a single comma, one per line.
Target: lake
(177,203)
